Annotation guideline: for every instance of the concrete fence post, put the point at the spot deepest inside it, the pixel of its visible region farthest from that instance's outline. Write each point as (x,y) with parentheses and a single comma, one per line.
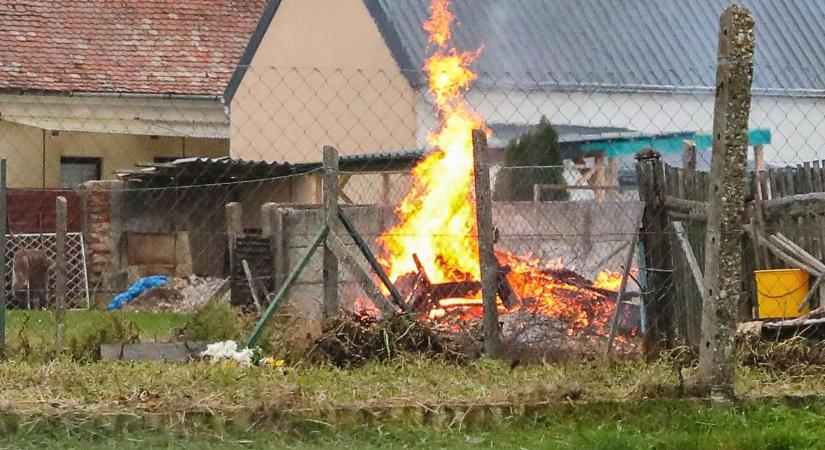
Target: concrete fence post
(272,226)
(234,228)
(723,249)
(330,214)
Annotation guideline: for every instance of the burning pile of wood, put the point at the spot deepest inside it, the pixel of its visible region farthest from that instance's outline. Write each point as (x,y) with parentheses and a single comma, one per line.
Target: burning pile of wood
(585,303)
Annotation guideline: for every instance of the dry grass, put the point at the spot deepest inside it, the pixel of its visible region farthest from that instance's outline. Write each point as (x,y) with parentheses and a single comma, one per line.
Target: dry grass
(126,388)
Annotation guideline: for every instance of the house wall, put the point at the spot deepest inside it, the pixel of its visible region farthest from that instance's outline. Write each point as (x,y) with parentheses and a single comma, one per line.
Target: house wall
(321,76)
(797,124)
(34,154)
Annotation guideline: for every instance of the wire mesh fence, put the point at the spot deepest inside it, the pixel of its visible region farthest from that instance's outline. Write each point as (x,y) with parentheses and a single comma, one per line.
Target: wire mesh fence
(156,174)
(77,283)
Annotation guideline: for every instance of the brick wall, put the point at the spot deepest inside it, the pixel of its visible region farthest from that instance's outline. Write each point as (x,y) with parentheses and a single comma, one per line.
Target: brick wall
(102,237)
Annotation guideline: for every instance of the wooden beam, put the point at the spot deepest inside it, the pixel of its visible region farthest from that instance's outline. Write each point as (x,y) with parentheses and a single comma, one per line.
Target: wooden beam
(250,281)
(799,252)
(690,256)
(781,254)
(796,205)
(614,323)
(814,290)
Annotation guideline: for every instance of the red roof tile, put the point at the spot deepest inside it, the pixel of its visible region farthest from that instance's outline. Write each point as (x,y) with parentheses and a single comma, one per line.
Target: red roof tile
(188,47)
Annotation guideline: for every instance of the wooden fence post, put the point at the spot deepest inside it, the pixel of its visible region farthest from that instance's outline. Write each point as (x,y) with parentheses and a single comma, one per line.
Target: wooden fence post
(3,244)
(723,249)
(486,243)
(61,271)
(658,300)
(599,177)
(689,155)
(330,211)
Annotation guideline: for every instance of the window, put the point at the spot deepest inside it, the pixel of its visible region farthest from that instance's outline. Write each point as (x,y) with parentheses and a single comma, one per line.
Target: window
(78,170)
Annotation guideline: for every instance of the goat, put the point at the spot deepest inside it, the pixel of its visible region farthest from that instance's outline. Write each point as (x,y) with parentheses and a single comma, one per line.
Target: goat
(30,280)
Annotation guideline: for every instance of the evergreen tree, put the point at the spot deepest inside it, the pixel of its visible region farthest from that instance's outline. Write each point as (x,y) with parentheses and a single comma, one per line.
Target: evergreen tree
(533,158)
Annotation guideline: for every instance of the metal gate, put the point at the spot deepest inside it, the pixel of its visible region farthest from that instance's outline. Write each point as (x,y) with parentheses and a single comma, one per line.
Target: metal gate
(77,281)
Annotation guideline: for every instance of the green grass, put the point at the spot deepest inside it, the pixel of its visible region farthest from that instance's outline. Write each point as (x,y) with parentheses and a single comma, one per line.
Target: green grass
(670,424)
(112,387)
(602,405)
(36,329)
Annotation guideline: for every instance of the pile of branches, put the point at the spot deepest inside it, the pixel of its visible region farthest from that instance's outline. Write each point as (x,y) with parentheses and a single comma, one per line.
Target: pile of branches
(355,339)
(797,355)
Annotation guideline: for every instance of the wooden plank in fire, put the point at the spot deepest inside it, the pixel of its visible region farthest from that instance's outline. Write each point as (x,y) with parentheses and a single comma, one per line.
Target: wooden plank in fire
(425,293)
(420,297)
(574,279)
(505,291)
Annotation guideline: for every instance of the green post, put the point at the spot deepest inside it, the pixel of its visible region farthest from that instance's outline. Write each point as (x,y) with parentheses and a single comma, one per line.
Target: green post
(371,259)
(276,300)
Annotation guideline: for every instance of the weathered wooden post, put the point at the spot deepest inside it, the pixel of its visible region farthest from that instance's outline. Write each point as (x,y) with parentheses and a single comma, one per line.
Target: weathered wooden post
(330,211)
(3,293)
(723,249)
(486,243)
(615,192)
(658,300)
(599,177)
(689,155)
(61,271)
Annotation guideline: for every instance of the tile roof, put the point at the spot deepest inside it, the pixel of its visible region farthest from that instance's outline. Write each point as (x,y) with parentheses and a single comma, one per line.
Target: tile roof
(614,43)
(186,47)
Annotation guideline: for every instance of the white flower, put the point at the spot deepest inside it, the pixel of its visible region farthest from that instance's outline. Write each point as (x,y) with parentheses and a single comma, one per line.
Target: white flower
(228,350)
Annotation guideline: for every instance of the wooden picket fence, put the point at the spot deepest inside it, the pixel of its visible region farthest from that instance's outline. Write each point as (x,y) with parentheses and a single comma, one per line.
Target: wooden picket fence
(789,201)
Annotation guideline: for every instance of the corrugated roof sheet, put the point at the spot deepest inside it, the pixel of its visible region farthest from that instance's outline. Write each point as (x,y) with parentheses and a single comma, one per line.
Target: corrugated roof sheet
(615,43)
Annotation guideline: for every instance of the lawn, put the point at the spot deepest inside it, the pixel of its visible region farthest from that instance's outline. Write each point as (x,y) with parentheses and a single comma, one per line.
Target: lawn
(406,402)
(668,424)
(41,324)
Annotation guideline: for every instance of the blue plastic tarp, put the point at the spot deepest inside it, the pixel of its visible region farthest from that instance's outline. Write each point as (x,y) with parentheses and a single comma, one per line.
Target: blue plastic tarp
(142,285)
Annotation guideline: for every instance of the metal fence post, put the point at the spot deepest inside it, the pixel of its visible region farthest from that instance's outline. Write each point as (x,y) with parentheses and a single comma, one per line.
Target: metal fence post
(723,250)
(330,211)
(61,207)
(486,243)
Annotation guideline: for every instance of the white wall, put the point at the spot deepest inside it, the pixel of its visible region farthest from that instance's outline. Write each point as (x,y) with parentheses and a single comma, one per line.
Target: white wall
(797,124)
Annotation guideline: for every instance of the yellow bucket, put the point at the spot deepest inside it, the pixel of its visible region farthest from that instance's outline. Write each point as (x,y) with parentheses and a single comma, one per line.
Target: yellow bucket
(780,292)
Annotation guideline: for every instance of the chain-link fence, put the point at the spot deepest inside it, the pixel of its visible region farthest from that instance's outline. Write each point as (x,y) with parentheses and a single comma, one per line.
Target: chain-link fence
(212,191)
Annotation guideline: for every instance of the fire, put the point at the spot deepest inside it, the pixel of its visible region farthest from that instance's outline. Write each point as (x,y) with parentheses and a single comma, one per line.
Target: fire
(437,217)
(436,221)
(439,26)
(608,280)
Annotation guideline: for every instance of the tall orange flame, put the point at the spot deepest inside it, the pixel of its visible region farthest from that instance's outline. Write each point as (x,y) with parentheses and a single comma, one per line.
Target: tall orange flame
(439,26)
(437,217)
(436,220)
